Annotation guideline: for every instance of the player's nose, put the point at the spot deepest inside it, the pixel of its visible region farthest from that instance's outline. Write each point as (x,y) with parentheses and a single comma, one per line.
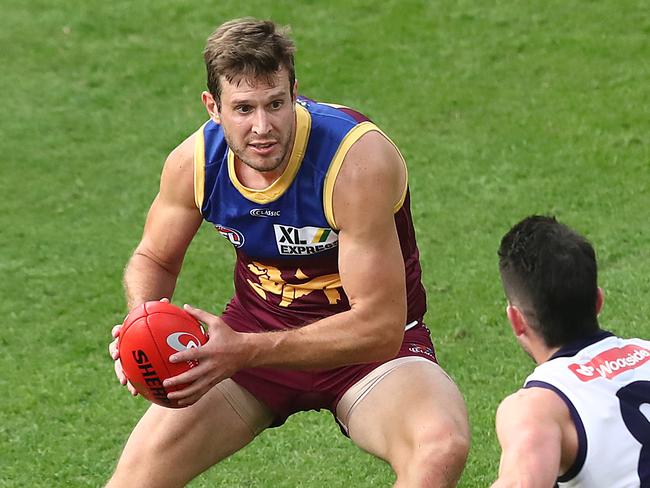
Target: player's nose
(261,122)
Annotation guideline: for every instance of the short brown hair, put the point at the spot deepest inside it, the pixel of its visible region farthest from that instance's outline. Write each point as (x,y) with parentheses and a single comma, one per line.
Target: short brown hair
(248,48)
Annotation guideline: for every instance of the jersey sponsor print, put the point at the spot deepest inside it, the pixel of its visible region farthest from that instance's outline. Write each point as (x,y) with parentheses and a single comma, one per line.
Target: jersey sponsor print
(606,387)
(304,240)
(612,362)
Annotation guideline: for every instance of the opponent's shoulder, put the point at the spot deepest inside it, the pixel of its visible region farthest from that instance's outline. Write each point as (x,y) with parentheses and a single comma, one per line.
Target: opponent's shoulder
(533,409)
(531,441)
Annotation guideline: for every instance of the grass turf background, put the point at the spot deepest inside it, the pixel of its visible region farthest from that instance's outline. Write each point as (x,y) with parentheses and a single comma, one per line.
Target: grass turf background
(501,108)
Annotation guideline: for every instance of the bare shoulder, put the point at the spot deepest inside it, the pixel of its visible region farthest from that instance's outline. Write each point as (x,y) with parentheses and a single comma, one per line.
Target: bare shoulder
(532,414)
(373,176)
(177,179)
(373,155)
(537,438)
(532,405)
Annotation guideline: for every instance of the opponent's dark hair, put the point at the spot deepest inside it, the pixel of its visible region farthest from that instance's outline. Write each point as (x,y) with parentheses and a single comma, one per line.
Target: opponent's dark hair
(248,48)
(549,271)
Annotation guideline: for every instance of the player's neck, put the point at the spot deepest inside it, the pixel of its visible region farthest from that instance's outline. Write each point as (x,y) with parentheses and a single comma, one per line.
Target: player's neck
(540,352)
(255,179)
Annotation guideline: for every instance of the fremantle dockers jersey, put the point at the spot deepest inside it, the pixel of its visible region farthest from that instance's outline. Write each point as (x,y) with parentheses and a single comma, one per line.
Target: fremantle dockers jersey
(285,236)
(605,382)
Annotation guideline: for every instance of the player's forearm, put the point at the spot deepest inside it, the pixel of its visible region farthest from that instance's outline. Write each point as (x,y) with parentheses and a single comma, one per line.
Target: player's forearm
(145,279)
(338,340)
(527,465)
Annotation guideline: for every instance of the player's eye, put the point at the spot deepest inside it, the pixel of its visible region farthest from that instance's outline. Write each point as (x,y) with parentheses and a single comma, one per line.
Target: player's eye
(276,104)
(243,109)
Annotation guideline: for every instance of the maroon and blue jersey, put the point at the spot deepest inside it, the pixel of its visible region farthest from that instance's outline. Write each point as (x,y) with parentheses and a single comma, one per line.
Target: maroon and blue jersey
(285,236)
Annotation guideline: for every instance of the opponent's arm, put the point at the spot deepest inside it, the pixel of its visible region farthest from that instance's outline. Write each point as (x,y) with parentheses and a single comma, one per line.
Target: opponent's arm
(533,426)
(370,182)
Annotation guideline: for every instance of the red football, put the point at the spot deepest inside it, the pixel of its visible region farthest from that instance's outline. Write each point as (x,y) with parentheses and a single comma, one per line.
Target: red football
(152,332)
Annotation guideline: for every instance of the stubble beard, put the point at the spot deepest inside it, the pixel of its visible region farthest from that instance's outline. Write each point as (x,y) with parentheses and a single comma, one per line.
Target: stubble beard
(267,164)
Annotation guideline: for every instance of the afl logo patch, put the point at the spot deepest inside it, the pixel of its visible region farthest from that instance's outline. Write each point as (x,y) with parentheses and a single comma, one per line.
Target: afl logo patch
(235,237)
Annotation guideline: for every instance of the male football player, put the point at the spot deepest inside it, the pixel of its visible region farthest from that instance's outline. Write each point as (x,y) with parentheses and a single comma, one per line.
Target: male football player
(581,419)
(328,304)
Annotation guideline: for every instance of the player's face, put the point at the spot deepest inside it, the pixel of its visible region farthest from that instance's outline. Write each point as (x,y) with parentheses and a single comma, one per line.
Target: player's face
(258,120)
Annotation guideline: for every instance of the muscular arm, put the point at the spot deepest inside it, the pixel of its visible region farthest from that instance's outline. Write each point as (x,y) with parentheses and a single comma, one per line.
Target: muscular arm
(172,221)
(537,437)
(371,267)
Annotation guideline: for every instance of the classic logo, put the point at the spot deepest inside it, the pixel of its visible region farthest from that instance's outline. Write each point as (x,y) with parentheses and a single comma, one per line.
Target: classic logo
(609,364)
(301,241)
(235,237)
(263,212)
(179,341)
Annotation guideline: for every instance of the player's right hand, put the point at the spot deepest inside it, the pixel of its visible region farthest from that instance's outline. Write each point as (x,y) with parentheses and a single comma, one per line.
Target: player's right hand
(115,354)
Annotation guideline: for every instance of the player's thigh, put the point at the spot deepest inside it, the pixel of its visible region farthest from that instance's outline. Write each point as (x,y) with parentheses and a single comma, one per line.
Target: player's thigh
(171,446)
(417,402)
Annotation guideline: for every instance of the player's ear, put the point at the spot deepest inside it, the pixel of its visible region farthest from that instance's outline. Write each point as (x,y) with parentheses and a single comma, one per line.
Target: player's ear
(295,90)
(517,319)
(600,299)
(211,106)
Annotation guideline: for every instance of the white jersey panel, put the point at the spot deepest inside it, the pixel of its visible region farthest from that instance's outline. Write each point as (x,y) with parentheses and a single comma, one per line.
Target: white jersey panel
(608,385)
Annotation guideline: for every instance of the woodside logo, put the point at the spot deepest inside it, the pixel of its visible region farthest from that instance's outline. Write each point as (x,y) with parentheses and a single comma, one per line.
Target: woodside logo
(609,364)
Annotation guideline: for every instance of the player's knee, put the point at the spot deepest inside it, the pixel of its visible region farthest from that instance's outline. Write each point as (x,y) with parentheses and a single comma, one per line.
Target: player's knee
(131,468)
(444,445)
(137,463)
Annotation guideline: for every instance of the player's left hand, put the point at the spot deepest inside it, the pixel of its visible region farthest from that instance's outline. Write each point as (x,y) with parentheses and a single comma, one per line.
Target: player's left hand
(219,358)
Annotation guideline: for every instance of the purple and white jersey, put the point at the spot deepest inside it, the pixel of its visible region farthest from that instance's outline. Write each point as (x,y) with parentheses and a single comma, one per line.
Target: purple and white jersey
(605,382)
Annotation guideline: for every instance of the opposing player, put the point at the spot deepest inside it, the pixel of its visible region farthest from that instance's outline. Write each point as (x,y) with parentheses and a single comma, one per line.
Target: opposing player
(328,303)
(582,417)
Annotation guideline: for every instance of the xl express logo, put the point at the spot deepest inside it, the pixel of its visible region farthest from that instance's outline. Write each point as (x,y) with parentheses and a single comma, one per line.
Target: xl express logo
(611,363)
(301,241)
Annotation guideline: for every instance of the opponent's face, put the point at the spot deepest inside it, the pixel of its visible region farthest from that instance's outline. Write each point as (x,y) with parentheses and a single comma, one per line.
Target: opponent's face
(258,120)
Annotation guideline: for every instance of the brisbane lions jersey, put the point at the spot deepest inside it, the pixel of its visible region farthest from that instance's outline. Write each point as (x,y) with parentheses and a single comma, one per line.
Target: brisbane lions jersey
(605,382)
(285,236)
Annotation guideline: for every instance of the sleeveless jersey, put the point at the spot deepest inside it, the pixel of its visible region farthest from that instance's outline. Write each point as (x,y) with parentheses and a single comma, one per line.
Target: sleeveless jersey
(605,382)
(285,237)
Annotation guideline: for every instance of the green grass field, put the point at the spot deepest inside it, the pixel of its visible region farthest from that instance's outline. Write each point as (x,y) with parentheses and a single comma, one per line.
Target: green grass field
(502,109)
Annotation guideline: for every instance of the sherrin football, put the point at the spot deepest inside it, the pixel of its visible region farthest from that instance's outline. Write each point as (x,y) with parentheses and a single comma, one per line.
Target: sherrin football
(152,332)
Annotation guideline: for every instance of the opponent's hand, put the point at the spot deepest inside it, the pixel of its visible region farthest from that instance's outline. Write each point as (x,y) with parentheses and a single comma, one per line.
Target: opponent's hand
(219,358)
